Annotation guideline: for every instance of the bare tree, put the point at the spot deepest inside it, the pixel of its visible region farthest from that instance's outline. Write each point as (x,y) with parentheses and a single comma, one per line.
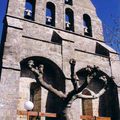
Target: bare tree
(67,99)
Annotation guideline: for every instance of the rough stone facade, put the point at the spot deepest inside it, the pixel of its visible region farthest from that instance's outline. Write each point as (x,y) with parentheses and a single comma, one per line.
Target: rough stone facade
(27,39)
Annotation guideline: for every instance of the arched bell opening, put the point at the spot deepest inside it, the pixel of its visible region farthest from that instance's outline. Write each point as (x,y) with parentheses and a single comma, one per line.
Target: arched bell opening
(50,14)
(29,12)
(87,25)
(69,19)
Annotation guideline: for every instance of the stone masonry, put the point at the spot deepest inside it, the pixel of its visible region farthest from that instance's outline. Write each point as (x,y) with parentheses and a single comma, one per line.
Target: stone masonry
(27,39)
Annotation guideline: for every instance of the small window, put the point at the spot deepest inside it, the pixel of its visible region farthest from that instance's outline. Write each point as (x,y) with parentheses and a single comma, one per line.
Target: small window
(50,14)
(69,19)
(87,25)
(87,107)
(87,104)
(35,96)
(56,38)
(101,50)
(68,2)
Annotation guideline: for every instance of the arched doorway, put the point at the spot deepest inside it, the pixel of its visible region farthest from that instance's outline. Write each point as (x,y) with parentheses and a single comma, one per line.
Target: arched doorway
(54,76)
(103,87)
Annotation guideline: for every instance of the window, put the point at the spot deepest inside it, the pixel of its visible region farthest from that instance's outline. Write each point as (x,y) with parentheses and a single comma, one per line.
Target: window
(68,2)
(35,96)
(29,9)
(87,25)
(101,50)
(87,107)
(69,19)
(50,14)
(56,38)
(87,104)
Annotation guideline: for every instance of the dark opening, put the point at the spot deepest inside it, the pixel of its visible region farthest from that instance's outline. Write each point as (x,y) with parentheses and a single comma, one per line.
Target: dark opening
(56,38)
(50,14)
(95,84)
(87,25)
(70,2)
(69,19)
(29,9)
(101,50)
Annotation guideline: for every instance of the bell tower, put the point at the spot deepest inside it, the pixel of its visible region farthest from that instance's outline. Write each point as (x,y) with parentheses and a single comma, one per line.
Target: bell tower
(51,32)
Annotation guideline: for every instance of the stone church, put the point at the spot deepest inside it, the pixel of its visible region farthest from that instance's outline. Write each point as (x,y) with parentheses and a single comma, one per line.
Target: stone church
(51,33)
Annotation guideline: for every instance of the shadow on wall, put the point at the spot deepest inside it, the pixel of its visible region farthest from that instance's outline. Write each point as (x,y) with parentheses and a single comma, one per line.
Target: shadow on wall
(109,103)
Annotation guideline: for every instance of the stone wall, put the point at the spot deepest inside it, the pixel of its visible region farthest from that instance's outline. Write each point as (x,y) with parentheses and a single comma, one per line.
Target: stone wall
(86,7)
(27,39)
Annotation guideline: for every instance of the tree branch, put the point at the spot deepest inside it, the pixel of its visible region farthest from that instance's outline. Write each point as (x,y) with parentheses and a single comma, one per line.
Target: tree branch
(39,72)
(73,77)
(73,93)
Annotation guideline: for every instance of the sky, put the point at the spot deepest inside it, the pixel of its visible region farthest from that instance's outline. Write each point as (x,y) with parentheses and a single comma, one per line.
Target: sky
(109,13)
(3,5)
(107,10)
